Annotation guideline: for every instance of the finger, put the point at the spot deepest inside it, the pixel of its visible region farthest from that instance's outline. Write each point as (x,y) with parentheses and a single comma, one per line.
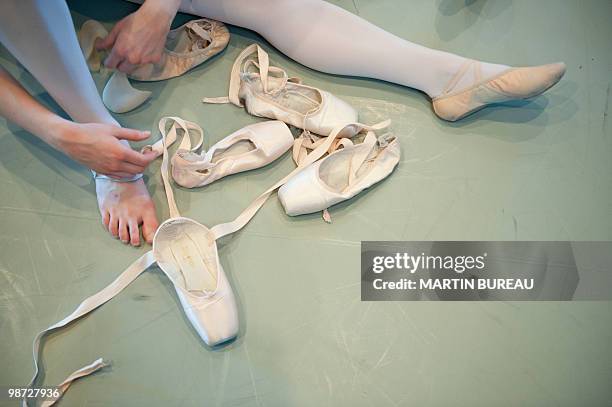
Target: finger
(131,169)
(113,59)
(113,225)
(108,41)
(149,225)
(124,236)
(134,232)
(126,67)
(152,58)
(123,133)
(139,159)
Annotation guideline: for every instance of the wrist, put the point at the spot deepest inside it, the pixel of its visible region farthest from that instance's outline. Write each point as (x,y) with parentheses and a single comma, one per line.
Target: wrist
(163,8)
(59,132)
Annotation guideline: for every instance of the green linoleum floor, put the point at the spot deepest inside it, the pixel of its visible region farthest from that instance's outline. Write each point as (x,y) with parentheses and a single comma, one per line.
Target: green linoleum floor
(538,171)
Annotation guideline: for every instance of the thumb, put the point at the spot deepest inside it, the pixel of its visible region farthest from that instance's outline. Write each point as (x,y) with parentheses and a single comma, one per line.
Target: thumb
(108,41)
(131,134)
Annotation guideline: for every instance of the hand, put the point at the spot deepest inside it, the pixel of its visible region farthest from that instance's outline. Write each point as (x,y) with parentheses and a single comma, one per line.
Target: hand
(97,146)
(139,38)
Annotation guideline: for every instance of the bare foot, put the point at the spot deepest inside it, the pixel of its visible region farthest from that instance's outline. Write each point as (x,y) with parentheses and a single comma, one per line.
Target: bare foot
(125,206)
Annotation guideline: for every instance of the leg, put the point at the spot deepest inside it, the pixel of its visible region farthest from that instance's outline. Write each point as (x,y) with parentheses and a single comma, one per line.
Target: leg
(40,34)
(330,39)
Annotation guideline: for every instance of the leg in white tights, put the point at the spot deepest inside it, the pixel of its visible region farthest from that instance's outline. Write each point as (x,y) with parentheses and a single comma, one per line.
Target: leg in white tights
(40,34)
(328,38)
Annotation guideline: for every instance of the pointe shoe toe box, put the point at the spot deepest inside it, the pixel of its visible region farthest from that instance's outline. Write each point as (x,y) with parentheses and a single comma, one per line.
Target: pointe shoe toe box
(303,193)
(273,138)
(215,319)
(333,112)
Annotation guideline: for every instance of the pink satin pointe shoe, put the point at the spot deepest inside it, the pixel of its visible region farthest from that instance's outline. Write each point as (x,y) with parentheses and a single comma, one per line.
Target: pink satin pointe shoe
(341,175)
(267,91)
(251,147)
(187,252)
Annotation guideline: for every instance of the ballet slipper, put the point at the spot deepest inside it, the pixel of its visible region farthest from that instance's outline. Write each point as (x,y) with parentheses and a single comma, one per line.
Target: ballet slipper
(512,84)
(186,47)
(340,175)
(267,91)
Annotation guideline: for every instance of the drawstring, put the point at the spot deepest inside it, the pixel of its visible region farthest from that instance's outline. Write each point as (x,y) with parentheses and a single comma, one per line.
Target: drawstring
(194,27)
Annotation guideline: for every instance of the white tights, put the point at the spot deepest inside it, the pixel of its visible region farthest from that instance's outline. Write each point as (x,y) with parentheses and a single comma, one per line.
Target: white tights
(328,38)
(41,35)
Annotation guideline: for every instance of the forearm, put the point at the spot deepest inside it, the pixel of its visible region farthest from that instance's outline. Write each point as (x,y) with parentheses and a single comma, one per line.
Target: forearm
(19,107)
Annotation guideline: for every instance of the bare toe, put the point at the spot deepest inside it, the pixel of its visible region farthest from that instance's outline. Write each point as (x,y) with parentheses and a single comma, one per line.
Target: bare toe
(134,232)
(105,219)
(149,226)
(113,225)
(123,230)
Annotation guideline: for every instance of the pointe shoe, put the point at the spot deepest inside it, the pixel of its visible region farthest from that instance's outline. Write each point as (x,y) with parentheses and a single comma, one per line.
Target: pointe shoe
(341,175)
(251,147)
(187,252)
(267,91)
(512,84)
(186,47)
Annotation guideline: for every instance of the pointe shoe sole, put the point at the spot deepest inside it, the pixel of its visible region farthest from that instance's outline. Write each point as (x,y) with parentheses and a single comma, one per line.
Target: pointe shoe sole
(512,84)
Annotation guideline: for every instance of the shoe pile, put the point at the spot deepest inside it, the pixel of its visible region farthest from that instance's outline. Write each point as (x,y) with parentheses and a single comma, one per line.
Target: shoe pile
(341,159)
